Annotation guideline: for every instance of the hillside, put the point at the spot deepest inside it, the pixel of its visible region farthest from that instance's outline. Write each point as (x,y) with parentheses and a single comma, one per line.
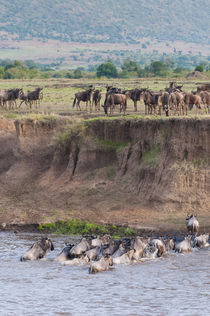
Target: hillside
(105,21)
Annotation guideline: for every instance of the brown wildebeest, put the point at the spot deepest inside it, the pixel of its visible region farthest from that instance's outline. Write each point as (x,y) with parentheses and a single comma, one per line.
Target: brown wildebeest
(85,96)
(96,99)
(173,87)
(150,99)
(134,95)
(205,98)
(32,96)
(191,99)
(10,96)
(176,101)
(163,102)
(112,90)
(204,87)
(113,100)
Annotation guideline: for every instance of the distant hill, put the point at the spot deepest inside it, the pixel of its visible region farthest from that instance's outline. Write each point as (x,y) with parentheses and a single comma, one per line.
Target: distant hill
(106,21)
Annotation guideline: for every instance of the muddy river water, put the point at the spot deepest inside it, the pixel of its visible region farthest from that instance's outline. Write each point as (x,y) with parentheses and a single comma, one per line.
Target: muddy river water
(174,285)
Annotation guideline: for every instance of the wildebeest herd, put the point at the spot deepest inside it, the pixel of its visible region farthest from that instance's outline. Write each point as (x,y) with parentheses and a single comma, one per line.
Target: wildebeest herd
(102,252)
(8,98)
(173,100)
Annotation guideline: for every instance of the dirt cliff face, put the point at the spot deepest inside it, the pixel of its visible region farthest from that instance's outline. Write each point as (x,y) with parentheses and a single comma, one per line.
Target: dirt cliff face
(146,173)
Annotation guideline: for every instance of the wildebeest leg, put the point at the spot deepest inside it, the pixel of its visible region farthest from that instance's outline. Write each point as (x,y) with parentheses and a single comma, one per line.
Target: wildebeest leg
(135,105)
(160,112)
(91,106)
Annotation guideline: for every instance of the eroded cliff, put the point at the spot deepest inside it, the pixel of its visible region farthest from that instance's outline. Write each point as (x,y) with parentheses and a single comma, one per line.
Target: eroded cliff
(142,172)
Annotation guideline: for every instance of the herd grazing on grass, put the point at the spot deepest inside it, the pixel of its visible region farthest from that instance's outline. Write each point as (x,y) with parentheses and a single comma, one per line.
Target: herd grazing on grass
(102,252)
(171,101)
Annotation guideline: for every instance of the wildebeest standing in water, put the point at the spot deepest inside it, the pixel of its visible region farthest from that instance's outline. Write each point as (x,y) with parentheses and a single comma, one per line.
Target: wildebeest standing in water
(192,224)
(38,250)
(85,96)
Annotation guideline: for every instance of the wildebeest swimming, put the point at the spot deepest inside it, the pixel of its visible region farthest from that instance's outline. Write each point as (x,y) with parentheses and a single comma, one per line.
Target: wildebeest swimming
(38,250)
(102,252)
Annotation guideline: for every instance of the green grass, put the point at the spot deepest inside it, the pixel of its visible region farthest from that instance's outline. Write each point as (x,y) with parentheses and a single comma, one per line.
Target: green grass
(151,157)
(74,132)
(109,144)
(77,227)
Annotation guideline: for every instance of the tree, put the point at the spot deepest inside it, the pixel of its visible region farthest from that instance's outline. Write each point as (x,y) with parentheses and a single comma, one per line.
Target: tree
(199,68)
(130,66)
(77,73)
(158,68)
(1,72)
(107,69)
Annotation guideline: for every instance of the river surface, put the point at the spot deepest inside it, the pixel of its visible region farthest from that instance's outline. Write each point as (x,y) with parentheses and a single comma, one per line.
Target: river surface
(178,284)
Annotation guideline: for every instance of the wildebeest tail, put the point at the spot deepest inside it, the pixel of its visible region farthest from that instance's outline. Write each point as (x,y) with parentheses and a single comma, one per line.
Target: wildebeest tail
(74,102)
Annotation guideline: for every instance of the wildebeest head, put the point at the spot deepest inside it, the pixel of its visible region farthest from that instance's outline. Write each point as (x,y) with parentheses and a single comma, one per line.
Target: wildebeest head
(191,216)
(46,243)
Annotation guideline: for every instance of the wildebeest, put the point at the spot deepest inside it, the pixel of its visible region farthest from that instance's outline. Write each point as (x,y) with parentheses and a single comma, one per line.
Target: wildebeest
(32,96)
(38,250)
(150,99)
(96,99)
(201,241)
(134,95)
(65,254)
(10,96)
(85,96)
(93,254)
(139,246)
(176,101)
(101,240)
(205,98)
(113,100)
(159,245)
(204,87)
(126,258)
(101,265)
(192,224)
(191,99)
(163,102)
(173,87)
(80,248)
(184,245)
(169,244)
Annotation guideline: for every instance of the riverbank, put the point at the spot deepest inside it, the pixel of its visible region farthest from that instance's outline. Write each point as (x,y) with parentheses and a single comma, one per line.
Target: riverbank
(145,173)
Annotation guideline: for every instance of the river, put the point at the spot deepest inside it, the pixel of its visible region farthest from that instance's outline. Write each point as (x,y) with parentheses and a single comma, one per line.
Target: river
(178,284)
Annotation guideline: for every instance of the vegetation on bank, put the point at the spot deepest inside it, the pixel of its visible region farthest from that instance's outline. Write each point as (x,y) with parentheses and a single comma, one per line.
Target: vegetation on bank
(78,227)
